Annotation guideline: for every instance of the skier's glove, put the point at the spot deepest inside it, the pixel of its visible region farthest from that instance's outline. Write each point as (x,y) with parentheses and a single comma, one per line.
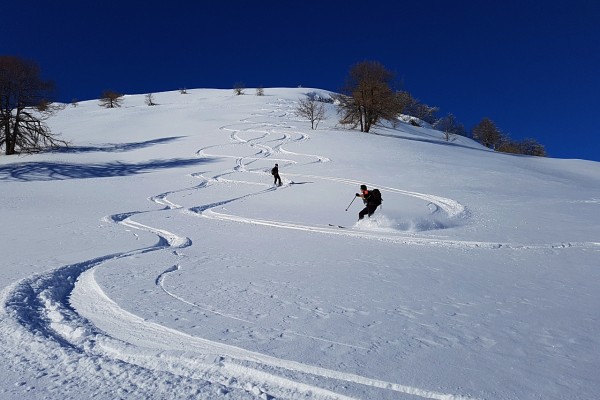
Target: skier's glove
(357,195)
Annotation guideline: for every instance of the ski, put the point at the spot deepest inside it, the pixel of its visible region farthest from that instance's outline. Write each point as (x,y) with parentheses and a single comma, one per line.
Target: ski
(338,226)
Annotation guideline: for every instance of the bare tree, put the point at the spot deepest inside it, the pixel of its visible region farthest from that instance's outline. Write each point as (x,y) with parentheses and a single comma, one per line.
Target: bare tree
(404,100)
(527,146)
(238,88)
(486,133)
(311,109)
(507,145)
(24,106)
(414,108)
(349,111)
(368,96)
(111,99)
(531,147)
(149,99)
(449,126)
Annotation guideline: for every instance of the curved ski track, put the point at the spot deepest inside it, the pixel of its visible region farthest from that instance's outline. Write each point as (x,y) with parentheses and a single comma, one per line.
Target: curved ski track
(39,322)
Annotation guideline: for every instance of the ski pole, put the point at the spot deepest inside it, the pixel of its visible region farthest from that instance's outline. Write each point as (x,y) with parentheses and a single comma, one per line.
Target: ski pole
(350,203)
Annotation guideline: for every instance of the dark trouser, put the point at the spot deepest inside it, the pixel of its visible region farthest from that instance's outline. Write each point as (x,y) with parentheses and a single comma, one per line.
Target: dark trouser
(277,178)
(368,210)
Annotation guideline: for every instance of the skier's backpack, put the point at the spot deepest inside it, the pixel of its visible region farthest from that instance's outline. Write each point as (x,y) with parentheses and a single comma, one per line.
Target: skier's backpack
(376,197)
(273,171)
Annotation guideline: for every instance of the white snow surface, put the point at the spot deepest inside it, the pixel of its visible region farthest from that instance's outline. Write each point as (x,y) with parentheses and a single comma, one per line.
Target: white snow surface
(155,259)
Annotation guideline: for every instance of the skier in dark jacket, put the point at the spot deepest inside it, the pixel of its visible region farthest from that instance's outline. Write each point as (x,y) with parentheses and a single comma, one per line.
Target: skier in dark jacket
(370,203)
(275,173)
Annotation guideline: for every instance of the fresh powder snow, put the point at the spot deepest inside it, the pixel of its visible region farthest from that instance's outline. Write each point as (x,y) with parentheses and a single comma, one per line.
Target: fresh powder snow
(155,259)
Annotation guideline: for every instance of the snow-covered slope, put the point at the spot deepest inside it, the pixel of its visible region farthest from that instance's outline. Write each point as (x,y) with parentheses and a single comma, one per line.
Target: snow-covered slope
(156,259)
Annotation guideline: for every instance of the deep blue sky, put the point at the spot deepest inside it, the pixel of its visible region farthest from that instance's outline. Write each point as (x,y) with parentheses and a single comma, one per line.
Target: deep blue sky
(533,67)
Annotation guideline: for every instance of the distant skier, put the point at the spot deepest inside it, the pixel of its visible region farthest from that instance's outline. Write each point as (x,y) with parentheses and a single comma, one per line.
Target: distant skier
(275,173)
(372,200)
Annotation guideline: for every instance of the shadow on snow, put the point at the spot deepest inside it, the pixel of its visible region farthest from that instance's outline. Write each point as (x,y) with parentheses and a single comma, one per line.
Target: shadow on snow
(49,171)
(116,147)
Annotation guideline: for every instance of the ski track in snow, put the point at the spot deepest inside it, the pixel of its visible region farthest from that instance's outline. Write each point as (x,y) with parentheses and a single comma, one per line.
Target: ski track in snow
(160,282)
(44,316)
(452,208)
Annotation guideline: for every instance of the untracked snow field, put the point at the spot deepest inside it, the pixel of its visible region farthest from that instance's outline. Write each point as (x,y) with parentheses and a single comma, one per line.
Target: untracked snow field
(155,259)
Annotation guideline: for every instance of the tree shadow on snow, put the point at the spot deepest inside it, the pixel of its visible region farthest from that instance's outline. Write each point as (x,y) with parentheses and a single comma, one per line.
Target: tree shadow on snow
(115,147)
(431,140)
(49,171)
